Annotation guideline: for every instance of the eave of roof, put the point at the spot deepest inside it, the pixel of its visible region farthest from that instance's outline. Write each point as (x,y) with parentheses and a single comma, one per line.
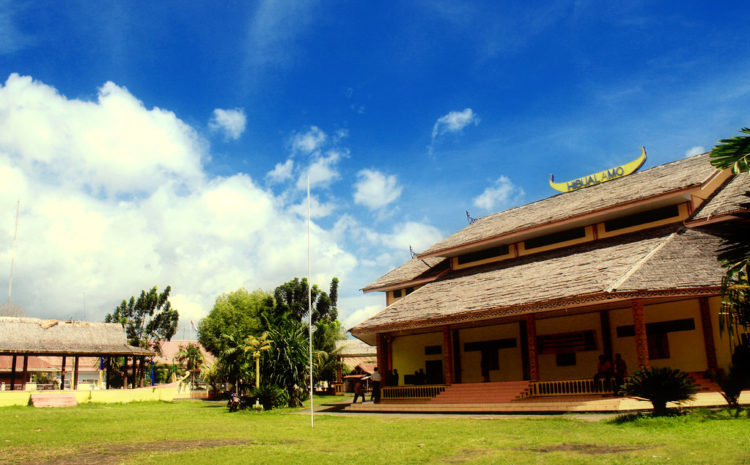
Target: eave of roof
(415,271)
(671,179)
(648,263)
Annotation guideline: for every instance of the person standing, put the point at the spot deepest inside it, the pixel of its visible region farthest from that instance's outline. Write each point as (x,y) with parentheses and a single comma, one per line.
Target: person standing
(621,371)
(376,379)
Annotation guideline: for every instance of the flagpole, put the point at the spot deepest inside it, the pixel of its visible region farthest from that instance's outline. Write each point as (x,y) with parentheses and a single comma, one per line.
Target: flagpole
(309,305)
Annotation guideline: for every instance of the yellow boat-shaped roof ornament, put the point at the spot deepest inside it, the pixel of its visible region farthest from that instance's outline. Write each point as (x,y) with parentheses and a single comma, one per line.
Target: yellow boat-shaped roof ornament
(600,177)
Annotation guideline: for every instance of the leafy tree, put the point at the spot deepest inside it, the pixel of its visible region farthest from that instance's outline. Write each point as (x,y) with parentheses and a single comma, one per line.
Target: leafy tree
(734,254)
(191,358)
(659,386)
(147,321)
(237,314)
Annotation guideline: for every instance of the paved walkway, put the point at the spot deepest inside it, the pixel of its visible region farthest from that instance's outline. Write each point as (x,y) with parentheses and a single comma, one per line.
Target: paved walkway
(547,406)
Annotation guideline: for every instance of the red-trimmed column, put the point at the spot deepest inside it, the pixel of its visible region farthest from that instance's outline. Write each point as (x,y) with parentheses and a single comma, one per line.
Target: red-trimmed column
(381,344)
(339,378)
(708,334)
(641,338)
(531,341)
(389,351)
(447,356)
(75,374)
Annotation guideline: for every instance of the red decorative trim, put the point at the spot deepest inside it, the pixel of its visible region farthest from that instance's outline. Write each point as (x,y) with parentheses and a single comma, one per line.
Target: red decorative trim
(641,339)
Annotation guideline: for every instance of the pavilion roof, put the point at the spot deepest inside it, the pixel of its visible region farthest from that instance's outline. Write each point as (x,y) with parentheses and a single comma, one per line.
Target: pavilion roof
(353,348)
(660,180)
(670,258)
(414,269)
(55,337)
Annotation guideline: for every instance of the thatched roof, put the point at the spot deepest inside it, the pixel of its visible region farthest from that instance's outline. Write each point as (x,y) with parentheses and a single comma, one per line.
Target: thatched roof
(169,350)
(672,259)
(55,337)
(728,200)
(355,348)
(660,180)
(414,269)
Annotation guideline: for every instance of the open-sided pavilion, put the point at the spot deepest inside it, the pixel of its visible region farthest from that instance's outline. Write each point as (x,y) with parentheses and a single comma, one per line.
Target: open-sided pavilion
(22,338)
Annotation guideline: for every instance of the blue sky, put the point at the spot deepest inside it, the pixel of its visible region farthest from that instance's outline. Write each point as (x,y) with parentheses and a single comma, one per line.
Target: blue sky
(168,142)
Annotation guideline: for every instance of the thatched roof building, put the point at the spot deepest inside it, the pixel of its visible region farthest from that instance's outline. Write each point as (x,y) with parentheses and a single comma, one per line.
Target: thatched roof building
(33,336)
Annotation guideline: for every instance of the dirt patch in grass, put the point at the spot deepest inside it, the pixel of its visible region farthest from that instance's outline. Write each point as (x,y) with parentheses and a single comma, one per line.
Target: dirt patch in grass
(592,449)
(116,452)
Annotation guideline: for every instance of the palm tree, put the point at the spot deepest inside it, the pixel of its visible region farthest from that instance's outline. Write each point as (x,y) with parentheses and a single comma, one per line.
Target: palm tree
(192,358)
(288,359)
(256,345)
(734,255)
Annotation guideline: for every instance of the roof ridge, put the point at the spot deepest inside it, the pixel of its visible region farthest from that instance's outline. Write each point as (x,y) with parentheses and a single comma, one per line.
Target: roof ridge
(639,264)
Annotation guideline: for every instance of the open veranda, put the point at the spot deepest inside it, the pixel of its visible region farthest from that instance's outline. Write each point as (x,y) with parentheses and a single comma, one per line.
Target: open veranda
(205,432)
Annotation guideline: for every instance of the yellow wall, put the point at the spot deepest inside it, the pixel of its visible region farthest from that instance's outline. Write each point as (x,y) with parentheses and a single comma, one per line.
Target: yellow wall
(721,341)
(586,361)
(510,359)
(408,352)
(686,348)
(107,396)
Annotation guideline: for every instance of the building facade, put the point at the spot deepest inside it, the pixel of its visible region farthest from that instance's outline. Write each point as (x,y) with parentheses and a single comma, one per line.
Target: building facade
(539,292)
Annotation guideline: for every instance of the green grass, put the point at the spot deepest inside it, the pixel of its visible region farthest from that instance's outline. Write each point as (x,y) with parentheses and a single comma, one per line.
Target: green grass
(198,433)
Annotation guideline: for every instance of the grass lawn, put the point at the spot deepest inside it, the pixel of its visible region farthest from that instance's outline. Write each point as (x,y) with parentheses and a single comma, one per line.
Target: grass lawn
(198,433)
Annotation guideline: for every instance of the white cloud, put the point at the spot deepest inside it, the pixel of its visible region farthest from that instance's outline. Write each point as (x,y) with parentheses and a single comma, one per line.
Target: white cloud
(417,235)
(230,122)
(375,190)
(322,171)
(111,146)
(697,150)
(502,193)
(114,199)
(454,121)
(310,141)
(281,172)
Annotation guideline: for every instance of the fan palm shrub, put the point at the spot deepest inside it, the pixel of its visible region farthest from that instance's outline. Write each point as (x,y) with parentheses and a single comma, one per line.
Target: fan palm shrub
(659,386)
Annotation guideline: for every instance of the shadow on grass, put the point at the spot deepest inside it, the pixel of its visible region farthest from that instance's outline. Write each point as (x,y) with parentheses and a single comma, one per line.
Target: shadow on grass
(702,414)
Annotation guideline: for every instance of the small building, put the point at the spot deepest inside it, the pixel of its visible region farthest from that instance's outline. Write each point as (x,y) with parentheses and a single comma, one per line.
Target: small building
(26,342)
(359,360)
(539,292)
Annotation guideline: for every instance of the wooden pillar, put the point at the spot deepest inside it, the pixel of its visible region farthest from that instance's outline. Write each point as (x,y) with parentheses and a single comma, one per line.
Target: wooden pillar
(389,351)
(125,373)
(75,374)
(25,371)
(531,341)
(62,374)
(708,335)
(456,357)
(339,378)
(524,350)
(13,374)
(447,356)
(143,370)
(382,355)
(606,334)
(106,373)
(641,338)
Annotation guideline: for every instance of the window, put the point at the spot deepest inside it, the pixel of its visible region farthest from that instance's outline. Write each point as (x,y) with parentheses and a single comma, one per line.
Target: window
(565,359)
(563,343)
(483,254)
(433,350)
(642,218)
(397,293)
(554,238)
(409,290)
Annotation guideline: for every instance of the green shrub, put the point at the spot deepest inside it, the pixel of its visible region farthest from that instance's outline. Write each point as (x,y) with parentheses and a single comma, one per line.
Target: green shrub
(659,386)
(269,397)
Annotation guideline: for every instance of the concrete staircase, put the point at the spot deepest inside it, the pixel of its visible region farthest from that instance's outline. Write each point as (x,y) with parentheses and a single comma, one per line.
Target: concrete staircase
(481,393)
(53,400)
(704,384)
